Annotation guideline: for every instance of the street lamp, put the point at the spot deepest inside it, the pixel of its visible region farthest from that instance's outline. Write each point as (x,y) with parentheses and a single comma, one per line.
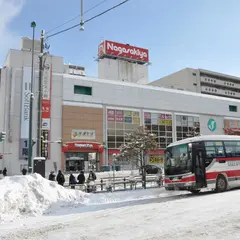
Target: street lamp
(30,142)
(81,21)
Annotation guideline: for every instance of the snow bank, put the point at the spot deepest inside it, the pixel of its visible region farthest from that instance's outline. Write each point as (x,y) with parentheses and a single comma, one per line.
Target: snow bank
(33,195)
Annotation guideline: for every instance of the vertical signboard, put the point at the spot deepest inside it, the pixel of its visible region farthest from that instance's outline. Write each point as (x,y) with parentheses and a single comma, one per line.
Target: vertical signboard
(25,105)
(46,111)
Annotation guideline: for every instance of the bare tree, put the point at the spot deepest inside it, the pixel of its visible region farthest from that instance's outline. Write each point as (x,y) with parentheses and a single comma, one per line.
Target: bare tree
(137,144)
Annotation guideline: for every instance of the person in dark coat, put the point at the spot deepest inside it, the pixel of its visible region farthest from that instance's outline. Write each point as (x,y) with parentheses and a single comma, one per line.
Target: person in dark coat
(24,171)
(92,176)
(60,178)
(81,178)
(72,180)
(4,172)
(52,176)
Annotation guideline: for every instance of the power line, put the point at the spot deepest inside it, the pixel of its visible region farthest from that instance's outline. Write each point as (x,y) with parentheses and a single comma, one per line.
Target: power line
(95,6)
(77,16)
(88,20)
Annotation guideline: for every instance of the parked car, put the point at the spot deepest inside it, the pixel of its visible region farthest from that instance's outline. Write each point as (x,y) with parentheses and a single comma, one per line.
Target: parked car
(150,169)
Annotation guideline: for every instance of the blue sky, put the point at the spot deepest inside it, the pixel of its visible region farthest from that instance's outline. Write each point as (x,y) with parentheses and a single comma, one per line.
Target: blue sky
(178,33)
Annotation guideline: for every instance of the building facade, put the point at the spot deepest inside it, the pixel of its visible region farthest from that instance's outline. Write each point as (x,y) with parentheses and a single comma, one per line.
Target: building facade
(84,120)
(202,81)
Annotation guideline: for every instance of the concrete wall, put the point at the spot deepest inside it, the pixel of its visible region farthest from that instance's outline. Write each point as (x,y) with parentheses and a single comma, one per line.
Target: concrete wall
(119,70)
(146,97)
(185,79)
(13,75)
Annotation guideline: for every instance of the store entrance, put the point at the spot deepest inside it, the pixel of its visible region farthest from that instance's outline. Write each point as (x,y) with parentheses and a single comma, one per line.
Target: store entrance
(75,161)
(84,156)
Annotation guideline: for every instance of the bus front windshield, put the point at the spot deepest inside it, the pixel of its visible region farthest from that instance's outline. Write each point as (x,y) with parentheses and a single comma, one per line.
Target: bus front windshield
(178,160)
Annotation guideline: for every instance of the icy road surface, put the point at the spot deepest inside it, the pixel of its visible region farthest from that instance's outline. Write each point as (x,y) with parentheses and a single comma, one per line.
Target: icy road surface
(208,216)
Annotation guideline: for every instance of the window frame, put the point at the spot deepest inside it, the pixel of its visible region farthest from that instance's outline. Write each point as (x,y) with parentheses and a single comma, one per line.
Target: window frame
(232,108)
(84,92)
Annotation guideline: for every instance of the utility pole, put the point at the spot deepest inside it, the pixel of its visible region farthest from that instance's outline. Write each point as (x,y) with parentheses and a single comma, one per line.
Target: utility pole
(30,142)
(39,119)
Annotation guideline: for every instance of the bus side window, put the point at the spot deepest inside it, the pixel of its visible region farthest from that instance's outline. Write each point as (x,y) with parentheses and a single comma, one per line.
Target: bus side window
(210,152)
(220,151)
(213,150)
(232,148)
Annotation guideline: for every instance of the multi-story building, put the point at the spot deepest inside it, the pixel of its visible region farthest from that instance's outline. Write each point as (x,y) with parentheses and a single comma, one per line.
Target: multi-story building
(202,81)
(92,115)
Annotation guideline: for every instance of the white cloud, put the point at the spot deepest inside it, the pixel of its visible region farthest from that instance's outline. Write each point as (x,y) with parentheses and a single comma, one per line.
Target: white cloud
(9,9)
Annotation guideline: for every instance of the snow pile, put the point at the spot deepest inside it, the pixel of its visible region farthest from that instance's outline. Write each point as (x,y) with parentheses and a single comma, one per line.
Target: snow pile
(34,195)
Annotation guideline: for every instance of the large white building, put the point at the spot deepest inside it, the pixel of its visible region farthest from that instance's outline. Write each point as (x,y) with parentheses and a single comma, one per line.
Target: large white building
(202,81)
(92,115)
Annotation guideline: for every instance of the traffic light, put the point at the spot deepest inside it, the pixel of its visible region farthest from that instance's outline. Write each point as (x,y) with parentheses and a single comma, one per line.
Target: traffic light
(2,136)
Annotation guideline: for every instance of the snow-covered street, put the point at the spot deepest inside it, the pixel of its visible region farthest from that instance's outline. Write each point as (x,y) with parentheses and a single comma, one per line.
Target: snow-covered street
(142,214)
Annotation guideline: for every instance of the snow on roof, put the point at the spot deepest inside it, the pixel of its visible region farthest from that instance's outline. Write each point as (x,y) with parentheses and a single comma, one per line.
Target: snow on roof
(150,87)
(206,138)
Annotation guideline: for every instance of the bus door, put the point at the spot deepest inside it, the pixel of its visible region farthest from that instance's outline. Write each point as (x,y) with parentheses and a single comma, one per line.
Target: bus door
(198,155)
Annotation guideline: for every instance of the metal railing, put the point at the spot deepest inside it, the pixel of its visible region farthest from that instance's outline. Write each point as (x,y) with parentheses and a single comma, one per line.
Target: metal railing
(120,184)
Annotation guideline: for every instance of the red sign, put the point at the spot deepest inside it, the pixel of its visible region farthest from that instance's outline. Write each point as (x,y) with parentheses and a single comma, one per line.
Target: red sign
(165,116)
(122,50)
(147,115)
(111,115)
(46,108)
(82,146)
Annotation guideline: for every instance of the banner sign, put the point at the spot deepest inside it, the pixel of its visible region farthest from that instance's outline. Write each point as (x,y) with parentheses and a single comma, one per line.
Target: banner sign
(46,110)
(121,116)
(25,107)
(45,145)
(119,50)
(23,148)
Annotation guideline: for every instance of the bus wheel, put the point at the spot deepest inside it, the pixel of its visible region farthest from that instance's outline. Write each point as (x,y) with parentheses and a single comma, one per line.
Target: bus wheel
(195,191)
(221,184)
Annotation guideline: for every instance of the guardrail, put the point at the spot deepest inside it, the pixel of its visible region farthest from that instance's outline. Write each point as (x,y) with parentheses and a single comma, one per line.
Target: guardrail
(119,184)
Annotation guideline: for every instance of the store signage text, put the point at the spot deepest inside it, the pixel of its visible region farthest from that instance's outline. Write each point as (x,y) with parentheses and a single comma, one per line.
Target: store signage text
(123,50)
(25,107)
(83,134)
(128,50)
(84,145)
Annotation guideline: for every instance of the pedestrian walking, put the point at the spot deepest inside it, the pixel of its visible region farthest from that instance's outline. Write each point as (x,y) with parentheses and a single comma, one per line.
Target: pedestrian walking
(60,178)
(4,172)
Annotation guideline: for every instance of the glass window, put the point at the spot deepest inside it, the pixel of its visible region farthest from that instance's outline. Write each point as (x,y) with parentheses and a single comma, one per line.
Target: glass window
(111,132)
(161,125)
(122,122)
(187,126)
(214,149)
(111,138)
(232,108)
(232,148)
(83,90)
(178,160)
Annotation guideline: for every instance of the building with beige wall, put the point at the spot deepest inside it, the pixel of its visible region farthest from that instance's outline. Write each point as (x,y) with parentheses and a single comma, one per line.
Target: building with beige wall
(202,81)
